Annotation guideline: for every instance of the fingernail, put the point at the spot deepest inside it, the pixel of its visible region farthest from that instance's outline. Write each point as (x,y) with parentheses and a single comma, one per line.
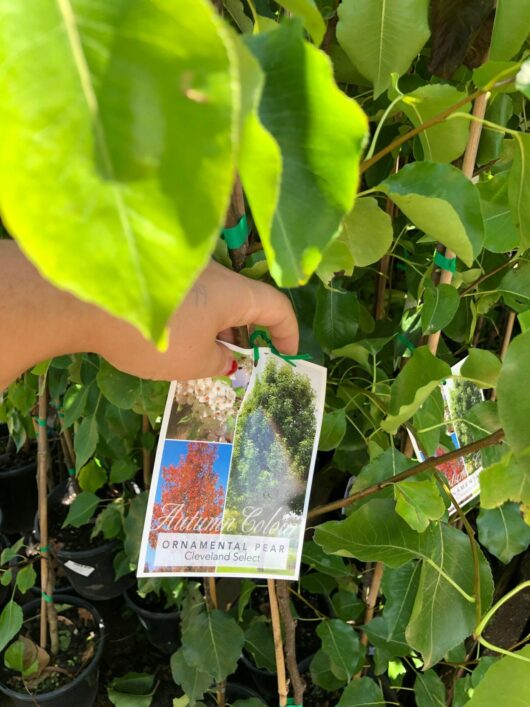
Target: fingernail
(233,368)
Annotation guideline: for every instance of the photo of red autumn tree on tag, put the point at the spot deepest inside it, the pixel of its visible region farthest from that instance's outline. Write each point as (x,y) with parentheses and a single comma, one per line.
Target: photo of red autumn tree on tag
(191,494)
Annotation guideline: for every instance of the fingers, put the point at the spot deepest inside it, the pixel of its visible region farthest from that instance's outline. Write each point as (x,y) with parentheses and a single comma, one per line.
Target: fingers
(218,361)
(273,309)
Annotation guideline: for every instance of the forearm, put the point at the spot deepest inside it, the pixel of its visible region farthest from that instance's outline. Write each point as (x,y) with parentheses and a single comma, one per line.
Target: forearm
(37,321)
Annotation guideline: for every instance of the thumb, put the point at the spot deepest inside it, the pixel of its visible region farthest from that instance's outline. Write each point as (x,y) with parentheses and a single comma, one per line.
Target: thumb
(219,361)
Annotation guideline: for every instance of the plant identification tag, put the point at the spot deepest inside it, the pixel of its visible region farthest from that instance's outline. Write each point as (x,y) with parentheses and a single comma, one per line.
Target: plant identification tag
(457,396)
(233,471)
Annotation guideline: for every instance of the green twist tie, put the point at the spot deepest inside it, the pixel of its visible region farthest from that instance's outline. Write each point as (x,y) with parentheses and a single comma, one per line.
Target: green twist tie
(40,421)
(71,472)
(44,548)
(260,334)
(47,598)
(407,343)
(236,235)
(444,263)
(290,701)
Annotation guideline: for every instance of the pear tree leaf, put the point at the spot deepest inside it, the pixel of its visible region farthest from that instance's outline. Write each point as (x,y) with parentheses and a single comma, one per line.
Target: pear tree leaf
(413,385)
(320,132)
(92,477)
(193,681)
(447,140)
(336,318)
(519,187)
(10,622)
(382,38)
(114,194)
(513,404)
(503,531)
(363,692)
(505,682)
(419,502)
(440,305)
(212,644)
(442,202)
(429,690)
(341,644)
(481,367)
(500,233)
(333,430)
(510,29)
(81,509)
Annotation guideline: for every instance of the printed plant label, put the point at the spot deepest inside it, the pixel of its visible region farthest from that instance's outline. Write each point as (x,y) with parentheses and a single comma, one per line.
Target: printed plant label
(233,471)
(458,396)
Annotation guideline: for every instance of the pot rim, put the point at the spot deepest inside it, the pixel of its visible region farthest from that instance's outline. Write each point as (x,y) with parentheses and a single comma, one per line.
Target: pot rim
(74,601)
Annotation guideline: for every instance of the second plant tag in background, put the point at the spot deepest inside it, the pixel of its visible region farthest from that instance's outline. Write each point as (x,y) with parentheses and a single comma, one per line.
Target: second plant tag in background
(233,471)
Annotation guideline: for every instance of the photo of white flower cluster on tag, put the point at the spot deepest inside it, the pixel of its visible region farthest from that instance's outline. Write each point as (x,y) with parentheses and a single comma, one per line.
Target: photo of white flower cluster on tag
(233,470)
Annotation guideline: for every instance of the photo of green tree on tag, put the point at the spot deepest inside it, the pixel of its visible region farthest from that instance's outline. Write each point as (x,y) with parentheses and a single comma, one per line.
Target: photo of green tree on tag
(273,447)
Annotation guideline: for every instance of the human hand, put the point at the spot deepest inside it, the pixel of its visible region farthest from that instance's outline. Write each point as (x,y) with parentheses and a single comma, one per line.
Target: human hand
(39,321)
(219,301)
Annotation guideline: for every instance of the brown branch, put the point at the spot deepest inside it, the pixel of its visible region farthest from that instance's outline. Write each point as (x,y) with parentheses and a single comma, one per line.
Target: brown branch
(282,588)
(283,690)
(484,277)
(430,463)
(417,130)
(234,214)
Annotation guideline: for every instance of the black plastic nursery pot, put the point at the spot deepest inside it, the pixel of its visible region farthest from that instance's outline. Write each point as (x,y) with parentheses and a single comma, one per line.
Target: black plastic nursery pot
(90,571)
(18,493)
(162,627)
(82,691)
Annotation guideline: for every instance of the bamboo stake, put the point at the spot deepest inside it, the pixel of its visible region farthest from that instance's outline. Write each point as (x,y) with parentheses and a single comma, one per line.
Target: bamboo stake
(42,477)
(283,690)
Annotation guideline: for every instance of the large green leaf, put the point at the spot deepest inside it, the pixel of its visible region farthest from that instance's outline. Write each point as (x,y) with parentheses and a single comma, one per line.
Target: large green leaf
(513,404)
(510,30)
(10,622)
(260,644)
(440,305)
(259,157)
(429,690)
(85,440)
(413,385)
(519,187)
(366,235)
(320,133)
(194,682)
(333,430)
(440,201)
(432,629)
(336,318)
(341,644)
(507,480)
(500,233)
(481,367)
(505,683)
(362,693)
(447,140)
(212,643)
(376,533)
(503,531)
(116,119)
(382,38)
(419,502)
(321,673)
(81,509)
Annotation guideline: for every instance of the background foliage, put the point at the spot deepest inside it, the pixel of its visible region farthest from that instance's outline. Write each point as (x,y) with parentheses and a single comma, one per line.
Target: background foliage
(126,139)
